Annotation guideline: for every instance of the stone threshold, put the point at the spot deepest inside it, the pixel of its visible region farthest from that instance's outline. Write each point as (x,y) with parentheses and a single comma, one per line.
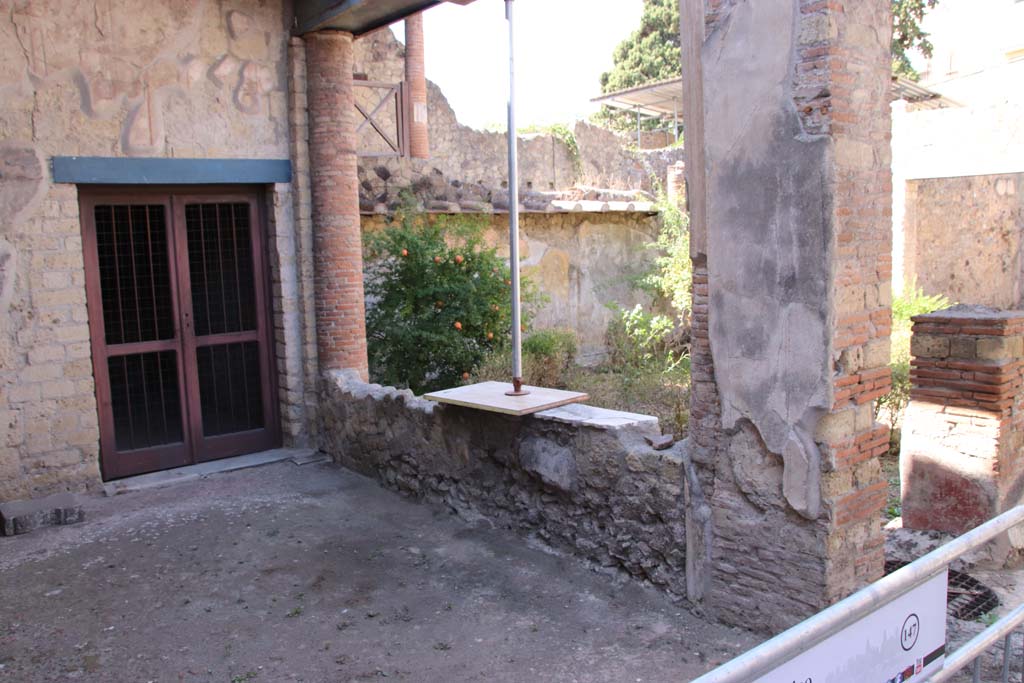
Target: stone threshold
(142,482)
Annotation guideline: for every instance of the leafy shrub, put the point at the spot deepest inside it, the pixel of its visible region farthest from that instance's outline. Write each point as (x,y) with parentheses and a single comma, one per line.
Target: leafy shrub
(672,275)
(913,301)
(639,339)
(548,360)
(437,300)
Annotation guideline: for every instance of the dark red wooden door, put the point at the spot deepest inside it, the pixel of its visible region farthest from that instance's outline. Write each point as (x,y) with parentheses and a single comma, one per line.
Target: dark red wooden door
(182,356)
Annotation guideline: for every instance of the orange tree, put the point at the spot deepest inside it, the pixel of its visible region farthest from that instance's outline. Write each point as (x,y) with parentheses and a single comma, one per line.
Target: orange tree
(437,300)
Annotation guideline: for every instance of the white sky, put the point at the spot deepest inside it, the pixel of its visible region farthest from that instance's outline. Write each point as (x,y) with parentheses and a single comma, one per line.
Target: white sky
(562,47)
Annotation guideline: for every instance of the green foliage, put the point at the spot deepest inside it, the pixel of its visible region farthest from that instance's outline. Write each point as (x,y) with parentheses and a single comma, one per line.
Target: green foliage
(907,34)
(639,339)
(649,54)
(672,276)
(913,301)
(438,300)
(548,360)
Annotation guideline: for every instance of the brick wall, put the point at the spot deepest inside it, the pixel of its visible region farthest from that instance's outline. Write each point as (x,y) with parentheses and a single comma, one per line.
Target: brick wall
(960,457)
(836,48)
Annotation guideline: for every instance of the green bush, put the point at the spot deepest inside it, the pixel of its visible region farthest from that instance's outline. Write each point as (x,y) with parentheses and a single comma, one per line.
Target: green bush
(437,300)
(549,357)
(639,339)
(672,275)
(913,301)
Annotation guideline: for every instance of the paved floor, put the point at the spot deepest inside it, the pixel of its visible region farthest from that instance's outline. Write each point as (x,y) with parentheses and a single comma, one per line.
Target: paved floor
(287,573)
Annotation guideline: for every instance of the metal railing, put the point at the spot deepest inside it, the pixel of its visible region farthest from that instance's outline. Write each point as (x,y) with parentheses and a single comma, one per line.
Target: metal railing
(808,633)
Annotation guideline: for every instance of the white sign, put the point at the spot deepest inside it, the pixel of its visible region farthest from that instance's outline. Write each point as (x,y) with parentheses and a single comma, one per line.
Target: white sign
(904,640)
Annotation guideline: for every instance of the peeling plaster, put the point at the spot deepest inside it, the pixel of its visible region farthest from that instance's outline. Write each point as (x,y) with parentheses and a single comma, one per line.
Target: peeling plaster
(769,239)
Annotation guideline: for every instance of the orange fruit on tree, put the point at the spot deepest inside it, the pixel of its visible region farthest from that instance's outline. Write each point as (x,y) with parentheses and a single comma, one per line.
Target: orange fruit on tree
(458,258)
(437,259)
(490,335)
(458,325)
(465,375)
(405,252)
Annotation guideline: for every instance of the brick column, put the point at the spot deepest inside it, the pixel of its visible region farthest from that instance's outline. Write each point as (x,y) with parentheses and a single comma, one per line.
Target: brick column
(416,80)
(960,452)
(338,259)
(789,185)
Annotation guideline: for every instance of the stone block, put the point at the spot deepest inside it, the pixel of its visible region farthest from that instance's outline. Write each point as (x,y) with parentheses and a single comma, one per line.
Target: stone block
(22,516)
(553,463)
(1000,348)
(929,346)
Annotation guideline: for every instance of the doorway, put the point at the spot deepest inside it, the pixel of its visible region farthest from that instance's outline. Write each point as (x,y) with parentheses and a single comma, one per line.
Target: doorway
(177,290)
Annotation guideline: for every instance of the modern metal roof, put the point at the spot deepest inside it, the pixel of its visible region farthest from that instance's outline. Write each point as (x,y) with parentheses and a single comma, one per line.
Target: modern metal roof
(663,99)
(657,100)
(906,89)
(357,16)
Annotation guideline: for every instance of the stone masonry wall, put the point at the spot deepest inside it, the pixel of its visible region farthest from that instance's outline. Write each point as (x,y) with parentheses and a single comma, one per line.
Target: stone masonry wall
(791,299)
(963,238)
(581,479)
(473,163)
(581,262)
(960,456)
(113,78)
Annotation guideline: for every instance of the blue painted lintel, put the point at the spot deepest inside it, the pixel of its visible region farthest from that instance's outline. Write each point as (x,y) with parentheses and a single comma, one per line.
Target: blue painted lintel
(162,171)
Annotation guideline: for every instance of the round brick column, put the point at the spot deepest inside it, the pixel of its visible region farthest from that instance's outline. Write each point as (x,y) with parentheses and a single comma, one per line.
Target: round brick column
(416,78)
(338,257)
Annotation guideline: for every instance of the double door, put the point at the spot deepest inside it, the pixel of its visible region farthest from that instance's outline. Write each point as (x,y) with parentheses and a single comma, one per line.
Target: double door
(182,353)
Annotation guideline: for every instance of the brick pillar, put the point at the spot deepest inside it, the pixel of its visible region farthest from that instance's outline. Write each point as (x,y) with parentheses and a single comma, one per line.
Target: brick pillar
(960,453)
(416,80)
(787,162)
(338,259)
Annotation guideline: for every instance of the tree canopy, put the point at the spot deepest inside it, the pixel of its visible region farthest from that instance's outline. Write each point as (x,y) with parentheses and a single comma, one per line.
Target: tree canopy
(907,34)
(651,53)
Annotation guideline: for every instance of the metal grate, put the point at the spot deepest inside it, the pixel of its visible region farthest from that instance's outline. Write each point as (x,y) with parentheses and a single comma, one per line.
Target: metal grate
(134,270)
(229,388)
(221,267)
(145,400)
(966,597)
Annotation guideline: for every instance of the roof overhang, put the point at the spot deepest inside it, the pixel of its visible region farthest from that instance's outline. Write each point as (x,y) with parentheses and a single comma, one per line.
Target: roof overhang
(662,99)
(357,16)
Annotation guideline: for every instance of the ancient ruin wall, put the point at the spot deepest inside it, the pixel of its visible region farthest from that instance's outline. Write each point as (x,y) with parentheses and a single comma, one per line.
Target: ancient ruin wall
(112,78)
(582,263)
(469,163)
(791,293)
(963,238)
(581,479)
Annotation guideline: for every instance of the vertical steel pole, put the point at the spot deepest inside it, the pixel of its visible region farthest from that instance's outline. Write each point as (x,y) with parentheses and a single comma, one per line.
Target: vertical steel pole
(513,211)
(675,117)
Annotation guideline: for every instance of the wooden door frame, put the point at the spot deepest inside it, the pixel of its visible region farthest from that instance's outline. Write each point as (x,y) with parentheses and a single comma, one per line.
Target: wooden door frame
(91,195)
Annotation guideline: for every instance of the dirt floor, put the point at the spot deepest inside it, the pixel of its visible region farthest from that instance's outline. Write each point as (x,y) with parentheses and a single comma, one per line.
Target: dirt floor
(288,573)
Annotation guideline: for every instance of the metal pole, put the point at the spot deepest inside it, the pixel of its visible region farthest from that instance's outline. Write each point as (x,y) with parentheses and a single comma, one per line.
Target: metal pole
(637,126)
(675,117)
(513,212)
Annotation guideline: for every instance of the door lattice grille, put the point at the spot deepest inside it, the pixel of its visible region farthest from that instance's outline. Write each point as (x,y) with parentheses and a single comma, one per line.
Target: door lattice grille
(145,400)
(229,388)
(134,273)
(221,267)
